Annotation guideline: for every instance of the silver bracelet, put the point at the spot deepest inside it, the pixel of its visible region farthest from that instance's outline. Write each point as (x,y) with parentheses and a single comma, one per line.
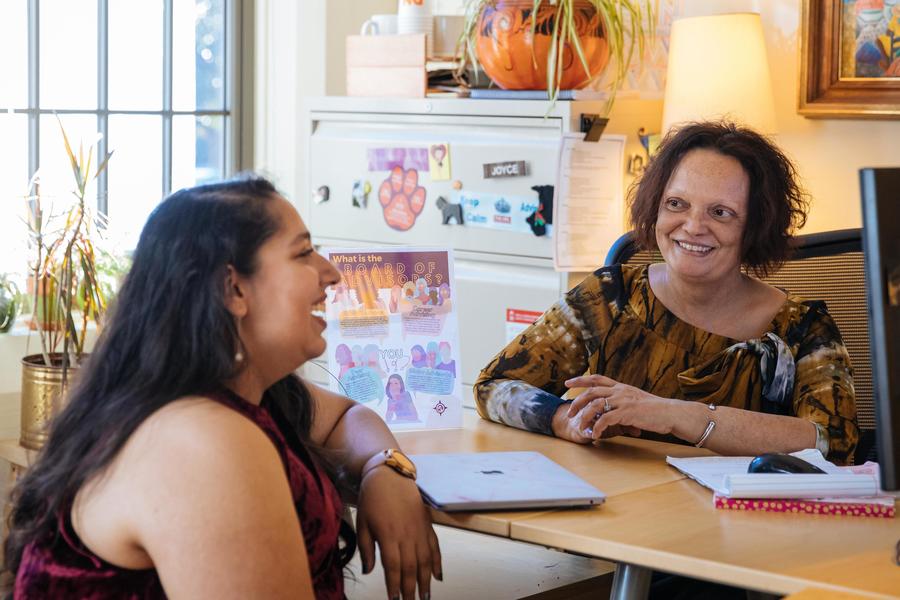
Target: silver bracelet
(709,429)
(822,441)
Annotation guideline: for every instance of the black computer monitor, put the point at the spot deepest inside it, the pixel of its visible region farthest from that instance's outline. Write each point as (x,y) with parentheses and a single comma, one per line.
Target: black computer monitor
(880,190)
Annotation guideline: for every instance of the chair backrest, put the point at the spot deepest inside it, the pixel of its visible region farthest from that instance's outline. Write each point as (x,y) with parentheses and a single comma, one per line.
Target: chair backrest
(827,266)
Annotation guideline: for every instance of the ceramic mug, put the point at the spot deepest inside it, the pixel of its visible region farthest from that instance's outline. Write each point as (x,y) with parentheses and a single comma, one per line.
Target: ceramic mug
(414,9)
(416,16)
(385,24)
(447,29)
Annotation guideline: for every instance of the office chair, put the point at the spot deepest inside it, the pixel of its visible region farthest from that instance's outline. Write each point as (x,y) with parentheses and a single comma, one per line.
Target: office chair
(826,266)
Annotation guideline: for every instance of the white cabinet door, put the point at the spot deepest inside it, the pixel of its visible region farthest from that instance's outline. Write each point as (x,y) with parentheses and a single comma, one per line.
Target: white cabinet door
(487,289)
(339,156)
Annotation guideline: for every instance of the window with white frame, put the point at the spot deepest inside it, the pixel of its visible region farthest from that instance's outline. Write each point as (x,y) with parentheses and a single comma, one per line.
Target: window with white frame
(160,81)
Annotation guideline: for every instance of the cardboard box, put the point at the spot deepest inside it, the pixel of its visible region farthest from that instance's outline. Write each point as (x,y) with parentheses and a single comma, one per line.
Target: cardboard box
(386,66)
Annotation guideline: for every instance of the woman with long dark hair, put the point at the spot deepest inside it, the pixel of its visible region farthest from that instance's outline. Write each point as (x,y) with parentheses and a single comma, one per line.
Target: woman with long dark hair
(400,408)
(190,460)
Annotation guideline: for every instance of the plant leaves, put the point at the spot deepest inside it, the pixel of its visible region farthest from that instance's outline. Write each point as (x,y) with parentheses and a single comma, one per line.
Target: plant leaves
(66,263)
(72,160)
(575,42)
(621,19)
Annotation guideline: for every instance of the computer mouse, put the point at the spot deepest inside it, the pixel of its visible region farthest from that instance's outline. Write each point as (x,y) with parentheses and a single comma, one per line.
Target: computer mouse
(781,463)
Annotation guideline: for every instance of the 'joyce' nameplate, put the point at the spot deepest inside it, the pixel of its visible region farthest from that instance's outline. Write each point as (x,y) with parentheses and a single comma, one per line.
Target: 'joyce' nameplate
(515,168)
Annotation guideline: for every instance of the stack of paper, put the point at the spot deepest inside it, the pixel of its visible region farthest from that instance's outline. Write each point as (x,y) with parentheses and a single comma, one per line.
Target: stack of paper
(855,488)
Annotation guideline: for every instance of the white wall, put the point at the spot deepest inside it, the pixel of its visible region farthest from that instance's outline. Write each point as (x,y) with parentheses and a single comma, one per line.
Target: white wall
(299,54)
(828,152)
(288,36)
(12,349)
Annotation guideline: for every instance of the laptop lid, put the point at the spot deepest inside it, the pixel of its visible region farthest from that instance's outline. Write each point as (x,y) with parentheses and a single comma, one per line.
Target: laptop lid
(500,480)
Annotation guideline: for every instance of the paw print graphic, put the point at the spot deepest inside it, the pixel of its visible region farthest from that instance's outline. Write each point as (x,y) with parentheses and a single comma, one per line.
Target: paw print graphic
(402,198)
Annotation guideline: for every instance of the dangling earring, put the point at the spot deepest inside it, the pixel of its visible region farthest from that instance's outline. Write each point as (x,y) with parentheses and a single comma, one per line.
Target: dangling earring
(238,356)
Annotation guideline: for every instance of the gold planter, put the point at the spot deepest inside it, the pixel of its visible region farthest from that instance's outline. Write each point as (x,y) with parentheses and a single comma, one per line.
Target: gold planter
(42,397)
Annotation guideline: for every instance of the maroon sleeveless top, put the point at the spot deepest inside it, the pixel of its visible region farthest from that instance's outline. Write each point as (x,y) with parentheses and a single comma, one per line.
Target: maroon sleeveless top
(60,566)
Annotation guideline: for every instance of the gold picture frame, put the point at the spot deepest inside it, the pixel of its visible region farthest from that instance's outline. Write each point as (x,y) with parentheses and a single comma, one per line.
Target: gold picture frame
(826,92)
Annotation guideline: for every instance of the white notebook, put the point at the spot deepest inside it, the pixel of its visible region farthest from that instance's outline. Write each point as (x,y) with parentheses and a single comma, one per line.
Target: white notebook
(728,477)
(500,480)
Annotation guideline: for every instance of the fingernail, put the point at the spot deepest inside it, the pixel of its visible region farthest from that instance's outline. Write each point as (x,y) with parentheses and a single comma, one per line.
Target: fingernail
(588,432)
(425,595)
(395,597)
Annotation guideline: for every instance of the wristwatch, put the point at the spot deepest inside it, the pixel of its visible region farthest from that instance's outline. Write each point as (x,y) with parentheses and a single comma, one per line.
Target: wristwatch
(393,458)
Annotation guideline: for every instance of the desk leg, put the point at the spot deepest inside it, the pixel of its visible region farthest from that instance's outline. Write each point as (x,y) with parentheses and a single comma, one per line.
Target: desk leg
(630,582)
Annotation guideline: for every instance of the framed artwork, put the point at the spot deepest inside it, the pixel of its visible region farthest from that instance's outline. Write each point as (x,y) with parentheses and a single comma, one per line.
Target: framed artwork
(850,59)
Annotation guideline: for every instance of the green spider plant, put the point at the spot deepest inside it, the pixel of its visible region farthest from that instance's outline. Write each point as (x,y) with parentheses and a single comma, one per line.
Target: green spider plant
(627,23)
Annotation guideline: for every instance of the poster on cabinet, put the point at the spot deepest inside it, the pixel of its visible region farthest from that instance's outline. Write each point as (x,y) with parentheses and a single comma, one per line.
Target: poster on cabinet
(393,334)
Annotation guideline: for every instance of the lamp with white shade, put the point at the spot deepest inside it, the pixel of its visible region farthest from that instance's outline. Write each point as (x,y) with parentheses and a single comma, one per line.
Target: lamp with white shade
(718,69)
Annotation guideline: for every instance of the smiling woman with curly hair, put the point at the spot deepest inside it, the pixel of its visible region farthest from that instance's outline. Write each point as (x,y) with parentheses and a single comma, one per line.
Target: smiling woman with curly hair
(694,349)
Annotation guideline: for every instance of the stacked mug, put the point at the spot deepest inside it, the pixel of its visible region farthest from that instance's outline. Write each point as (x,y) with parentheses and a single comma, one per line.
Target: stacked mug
(384,24)
(417,16)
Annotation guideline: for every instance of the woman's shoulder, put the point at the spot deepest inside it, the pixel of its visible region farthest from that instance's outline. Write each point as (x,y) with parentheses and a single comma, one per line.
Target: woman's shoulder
(193,433)
(614,284)
(802,318)
(192,453)
(202,415)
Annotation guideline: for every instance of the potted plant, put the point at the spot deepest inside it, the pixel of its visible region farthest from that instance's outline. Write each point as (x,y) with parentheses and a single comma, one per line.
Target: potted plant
(9,303)
(67,293)
(553,45)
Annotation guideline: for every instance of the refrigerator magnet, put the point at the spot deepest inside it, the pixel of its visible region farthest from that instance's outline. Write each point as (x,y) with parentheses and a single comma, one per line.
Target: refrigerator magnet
(439,162)
(543,216)
(401,198)
(360,193)
(511,168)
(450,211)
(321,194)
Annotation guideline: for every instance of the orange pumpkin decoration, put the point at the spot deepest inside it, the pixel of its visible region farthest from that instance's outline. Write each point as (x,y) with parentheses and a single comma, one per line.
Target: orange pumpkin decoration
(516,60)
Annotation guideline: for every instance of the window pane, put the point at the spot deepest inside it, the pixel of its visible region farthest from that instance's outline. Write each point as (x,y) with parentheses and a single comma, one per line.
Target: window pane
(135,55)
(68,61)
(13,155)
(13,187)
(57,178)
(197,150)
(198,64)
(135,174)
(14,53)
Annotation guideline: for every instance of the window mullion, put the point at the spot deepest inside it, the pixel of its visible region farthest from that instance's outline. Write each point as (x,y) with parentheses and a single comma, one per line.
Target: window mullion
(34,71)
(167,98)
(239,25)
(103,101)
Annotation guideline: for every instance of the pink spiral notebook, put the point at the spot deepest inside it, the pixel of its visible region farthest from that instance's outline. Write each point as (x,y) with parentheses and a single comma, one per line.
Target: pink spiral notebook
(879,509)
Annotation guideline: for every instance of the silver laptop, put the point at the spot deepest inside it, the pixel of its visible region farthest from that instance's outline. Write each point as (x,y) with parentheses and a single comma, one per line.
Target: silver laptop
(500,480)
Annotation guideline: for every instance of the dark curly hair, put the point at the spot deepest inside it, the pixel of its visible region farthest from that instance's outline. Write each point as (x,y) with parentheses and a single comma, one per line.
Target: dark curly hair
(777,203)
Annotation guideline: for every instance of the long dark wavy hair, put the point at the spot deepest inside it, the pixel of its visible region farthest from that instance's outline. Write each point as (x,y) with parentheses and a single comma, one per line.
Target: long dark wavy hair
(169,335)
